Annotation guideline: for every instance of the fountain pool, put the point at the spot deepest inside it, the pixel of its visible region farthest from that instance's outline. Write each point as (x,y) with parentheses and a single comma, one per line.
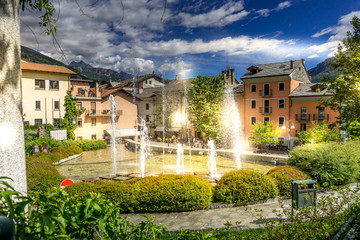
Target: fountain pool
(98,163)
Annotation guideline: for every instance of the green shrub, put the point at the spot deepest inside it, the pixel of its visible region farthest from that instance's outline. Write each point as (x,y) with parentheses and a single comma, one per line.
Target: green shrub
(330,163)
(86,145)
(283,176)
(151,194)
(29,145)
(244,186)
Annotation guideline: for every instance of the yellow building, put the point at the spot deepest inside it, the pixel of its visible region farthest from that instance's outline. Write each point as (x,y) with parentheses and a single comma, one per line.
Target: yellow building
(43,92)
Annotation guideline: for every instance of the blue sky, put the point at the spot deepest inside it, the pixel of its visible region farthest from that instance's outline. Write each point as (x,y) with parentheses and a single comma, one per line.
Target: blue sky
(192,37)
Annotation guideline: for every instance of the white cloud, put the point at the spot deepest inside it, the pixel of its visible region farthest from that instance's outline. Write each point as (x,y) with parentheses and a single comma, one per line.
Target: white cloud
(266,12)
(289,55)
(135,66)
(291,42)
(175,47)
(338,33)
(222,16)
(313,56)
(179,67)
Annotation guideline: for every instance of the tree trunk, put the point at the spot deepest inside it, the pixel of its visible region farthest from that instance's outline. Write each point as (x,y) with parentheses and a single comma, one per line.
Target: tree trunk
(12,149)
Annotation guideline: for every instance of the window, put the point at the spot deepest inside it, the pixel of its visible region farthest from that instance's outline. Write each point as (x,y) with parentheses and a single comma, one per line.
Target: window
(281,103)
(266,119)
(56,122)
(56,105)
(303,113)
(266,90)
(53,85)
(38,121)
(93,122)
(38,105)
(147,106)
(252,120)
(303,127)
(150,82)
(79,122)
(281,121)
(93,107)
(253,103)
(281,86)
(321,113)
(253,88)
(79,105)
(267,106)
(39,84)
(93,136)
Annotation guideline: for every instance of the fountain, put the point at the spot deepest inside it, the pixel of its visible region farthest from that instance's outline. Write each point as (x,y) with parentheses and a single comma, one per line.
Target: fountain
(212,159)
(144,146)
(113,125)
(232,124)
(180,166)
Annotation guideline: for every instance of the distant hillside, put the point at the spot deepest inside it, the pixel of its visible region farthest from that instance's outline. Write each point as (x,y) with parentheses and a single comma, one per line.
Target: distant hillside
(323,69)
(84,70)
(101,74)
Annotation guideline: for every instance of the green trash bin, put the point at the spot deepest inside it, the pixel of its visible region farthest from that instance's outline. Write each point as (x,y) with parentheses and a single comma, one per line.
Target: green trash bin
(303,193)
(7,228)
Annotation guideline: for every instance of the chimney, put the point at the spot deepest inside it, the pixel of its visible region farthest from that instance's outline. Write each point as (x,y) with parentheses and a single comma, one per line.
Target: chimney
(97,89)
(291,64)
(153,72)
(176,77)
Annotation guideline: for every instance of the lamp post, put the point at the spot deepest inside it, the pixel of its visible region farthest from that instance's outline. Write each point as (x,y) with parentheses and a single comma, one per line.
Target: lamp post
(288,130)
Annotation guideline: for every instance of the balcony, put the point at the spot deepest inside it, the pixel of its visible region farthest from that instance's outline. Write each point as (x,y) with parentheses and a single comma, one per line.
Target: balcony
(102,113)
(268,93)
(86,93)
(302,117)
(317,117)
(266,110)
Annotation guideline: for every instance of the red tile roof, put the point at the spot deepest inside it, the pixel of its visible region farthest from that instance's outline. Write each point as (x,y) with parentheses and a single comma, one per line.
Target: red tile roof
(45,68)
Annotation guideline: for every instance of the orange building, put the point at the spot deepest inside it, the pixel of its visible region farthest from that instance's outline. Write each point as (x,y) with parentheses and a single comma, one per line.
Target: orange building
(283,93)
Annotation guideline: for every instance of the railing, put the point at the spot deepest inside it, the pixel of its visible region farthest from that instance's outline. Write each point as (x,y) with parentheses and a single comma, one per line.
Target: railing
(266,110)
(86,94)
(266,94)
(302,117)
(104,112)
(318,117)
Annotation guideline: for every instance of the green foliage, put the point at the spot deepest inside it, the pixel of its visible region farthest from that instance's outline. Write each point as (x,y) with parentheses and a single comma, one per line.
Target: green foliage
(205,104)
(47,8)
(354,130)
(29,144)
(356,212)
(42,176)
(283,176)
(318,133)
(244,186)
(330,163)
(71,114)
(86,145)
(345,88)
(265,133)
(151,194)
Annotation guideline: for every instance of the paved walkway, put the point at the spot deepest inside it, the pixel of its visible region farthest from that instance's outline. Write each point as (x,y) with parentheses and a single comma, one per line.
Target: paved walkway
(211,218)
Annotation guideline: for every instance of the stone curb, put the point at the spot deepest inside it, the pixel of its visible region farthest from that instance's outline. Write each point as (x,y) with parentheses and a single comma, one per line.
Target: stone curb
(66,159)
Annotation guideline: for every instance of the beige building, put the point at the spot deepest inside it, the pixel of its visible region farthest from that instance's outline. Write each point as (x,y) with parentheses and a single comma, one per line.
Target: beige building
(43,92)
(95,122)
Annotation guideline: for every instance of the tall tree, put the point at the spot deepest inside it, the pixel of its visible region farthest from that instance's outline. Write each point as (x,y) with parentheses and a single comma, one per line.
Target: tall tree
(71,114)
(346,87)
(265,133)
(205,104)
(12,149)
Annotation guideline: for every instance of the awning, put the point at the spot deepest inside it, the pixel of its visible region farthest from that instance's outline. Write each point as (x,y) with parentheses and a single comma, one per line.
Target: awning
(124,132)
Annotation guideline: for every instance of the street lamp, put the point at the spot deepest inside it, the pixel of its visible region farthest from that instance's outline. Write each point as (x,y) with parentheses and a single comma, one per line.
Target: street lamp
(288,130)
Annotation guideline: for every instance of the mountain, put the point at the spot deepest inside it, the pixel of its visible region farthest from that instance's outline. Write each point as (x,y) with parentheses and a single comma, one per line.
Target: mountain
(323,69)
(84,70)
(101,74)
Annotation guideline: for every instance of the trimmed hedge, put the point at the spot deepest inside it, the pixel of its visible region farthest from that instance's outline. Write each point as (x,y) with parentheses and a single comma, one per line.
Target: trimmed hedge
(243,186)
(330,163)
(86,145)
(41,175)
(151,194)
(283,175)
